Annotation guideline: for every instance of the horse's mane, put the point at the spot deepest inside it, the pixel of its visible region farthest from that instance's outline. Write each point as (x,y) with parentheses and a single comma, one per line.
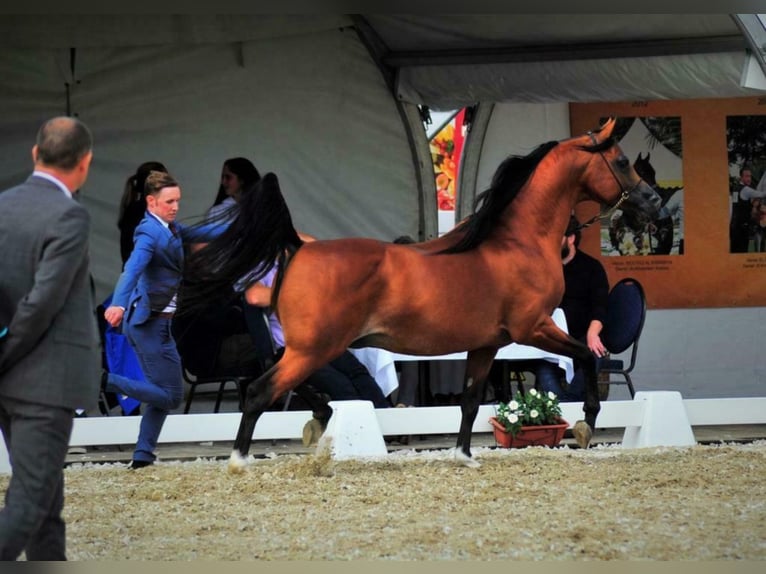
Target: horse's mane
(261,235)
(509,178)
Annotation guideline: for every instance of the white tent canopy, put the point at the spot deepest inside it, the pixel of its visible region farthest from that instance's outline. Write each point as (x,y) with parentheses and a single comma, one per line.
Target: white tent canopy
(330,103)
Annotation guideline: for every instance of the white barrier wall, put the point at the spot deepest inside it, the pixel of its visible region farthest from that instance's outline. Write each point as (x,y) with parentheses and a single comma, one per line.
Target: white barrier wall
(652,419)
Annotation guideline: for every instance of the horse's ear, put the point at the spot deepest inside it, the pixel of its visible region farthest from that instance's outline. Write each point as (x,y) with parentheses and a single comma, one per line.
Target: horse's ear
(639,157)
(606,130)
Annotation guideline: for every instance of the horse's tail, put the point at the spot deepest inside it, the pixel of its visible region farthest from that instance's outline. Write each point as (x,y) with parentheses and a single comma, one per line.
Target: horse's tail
(261,235)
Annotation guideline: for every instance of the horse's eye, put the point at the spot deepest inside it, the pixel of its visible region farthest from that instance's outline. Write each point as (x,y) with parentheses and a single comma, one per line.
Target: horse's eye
(623,162)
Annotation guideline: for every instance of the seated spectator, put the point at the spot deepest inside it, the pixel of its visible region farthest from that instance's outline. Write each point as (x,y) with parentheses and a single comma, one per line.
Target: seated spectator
(344,378)
(238,175)
(584,304)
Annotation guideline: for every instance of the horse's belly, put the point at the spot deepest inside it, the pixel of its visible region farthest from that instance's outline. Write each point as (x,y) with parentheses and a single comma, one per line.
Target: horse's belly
(437,330)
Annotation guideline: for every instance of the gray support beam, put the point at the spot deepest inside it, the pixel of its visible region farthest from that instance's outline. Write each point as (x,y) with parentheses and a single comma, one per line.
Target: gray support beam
(583,51)
(752,27)
(428,218)
(469,163)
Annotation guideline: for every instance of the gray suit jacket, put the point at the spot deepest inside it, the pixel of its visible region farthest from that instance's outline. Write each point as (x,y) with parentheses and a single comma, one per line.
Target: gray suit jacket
(51,354)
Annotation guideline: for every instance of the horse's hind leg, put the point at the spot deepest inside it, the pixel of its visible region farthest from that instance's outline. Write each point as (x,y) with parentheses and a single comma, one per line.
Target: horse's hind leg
(321,413)
(476,371)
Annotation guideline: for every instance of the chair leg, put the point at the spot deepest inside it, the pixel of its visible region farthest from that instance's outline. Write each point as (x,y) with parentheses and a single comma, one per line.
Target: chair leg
(219,396)
(520,382)
(287,400)
(189,398)
(630,385)
(103,404)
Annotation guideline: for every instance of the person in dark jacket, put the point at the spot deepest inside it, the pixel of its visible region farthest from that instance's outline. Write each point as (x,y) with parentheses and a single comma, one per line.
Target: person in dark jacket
(584,304)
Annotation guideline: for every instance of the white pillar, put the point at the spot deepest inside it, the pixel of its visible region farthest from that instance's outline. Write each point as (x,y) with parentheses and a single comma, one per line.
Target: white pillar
(352,432)
(665,422)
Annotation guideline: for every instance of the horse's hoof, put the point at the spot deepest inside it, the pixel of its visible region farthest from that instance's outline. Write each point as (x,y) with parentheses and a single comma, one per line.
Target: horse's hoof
(237,463)
(582,434)
(312,430)
(466,460)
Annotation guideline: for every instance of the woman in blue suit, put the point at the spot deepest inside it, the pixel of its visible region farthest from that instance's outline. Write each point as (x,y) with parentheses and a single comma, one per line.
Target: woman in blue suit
(144,301)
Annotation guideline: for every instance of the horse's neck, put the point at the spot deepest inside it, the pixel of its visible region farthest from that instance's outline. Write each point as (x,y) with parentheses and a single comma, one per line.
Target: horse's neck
(541,210)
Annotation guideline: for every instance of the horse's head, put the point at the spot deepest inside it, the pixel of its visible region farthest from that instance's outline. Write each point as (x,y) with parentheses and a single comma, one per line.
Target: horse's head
(612,181)
(645,170)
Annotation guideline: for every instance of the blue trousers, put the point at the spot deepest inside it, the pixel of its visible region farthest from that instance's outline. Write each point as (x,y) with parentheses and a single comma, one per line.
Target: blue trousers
(162,389)
(548,375)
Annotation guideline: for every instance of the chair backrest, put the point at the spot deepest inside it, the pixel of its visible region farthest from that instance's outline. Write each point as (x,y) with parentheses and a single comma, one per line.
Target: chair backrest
(626,311)
(216,342)
(258,327)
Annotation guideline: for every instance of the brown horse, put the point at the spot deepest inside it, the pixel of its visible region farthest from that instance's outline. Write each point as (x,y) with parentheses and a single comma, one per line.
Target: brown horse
(493,280)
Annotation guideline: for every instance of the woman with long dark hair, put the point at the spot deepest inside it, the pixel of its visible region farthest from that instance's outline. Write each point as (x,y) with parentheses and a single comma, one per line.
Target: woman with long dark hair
(133,205)
(238,176)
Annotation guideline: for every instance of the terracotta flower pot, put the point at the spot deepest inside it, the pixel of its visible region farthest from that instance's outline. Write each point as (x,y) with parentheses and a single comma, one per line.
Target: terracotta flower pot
(535,435)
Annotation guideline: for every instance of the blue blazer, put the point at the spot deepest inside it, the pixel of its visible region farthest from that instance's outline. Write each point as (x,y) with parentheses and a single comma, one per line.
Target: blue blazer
(152,273)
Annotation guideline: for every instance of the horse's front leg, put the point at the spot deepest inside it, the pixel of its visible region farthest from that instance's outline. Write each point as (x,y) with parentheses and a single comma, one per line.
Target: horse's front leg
(476,371)
(583,430)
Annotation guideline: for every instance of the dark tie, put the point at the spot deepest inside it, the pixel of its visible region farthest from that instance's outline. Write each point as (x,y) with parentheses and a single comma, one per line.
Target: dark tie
(173,229)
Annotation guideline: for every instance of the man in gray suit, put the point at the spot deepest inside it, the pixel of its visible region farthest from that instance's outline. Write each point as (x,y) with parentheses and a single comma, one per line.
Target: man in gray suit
(50,359)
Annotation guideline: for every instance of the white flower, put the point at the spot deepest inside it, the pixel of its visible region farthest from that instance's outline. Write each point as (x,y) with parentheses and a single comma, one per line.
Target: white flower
(513,405)
(512,418)
(551,395)
(533,392)
(533,413)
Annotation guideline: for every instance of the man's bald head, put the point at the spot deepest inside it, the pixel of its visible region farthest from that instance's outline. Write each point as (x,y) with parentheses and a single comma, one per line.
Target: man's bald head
(62,142)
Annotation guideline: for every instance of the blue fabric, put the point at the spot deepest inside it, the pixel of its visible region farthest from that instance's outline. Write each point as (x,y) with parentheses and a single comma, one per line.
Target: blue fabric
(152,274)
(549,375)
(625,316)
(161,390)
(121,360)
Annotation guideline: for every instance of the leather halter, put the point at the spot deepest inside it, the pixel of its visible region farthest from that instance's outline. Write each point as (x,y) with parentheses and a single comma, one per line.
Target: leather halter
(625,193)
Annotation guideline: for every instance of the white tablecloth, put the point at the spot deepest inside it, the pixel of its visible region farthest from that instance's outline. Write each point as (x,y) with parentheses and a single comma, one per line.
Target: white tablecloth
(380,362)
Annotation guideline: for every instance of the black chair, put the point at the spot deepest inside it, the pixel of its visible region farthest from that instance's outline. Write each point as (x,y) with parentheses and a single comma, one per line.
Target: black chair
(217,347)
(626,311)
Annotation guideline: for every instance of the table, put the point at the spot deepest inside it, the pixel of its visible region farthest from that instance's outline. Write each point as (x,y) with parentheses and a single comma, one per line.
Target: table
(380,362)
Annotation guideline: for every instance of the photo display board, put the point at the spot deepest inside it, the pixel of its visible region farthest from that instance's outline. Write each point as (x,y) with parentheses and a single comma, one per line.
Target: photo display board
(707,161)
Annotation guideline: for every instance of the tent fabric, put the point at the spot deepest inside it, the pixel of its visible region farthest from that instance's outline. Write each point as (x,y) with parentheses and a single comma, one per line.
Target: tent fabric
(311,108)
(450,61)
(623,79)
(307,97)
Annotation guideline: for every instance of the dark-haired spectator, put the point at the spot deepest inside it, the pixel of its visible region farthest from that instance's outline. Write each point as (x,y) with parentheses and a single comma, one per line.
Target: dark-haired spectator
(238,176)
(133,205)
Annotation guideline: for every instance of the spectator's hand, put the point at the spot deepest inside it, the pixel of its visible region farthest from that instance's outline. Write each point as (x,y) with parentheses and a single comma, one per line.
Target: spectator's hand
(596,346)
(113,315)
(258,294)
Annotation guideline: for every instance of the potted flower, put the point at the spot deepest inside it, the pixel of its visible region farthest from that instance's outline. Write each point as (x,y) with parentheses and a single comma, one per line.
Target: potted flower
(532,418)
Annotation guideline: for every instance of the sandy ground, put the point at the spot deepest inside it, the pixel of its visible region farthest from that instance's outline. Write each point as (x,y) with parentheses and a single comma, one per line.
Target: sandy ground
(706,502)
